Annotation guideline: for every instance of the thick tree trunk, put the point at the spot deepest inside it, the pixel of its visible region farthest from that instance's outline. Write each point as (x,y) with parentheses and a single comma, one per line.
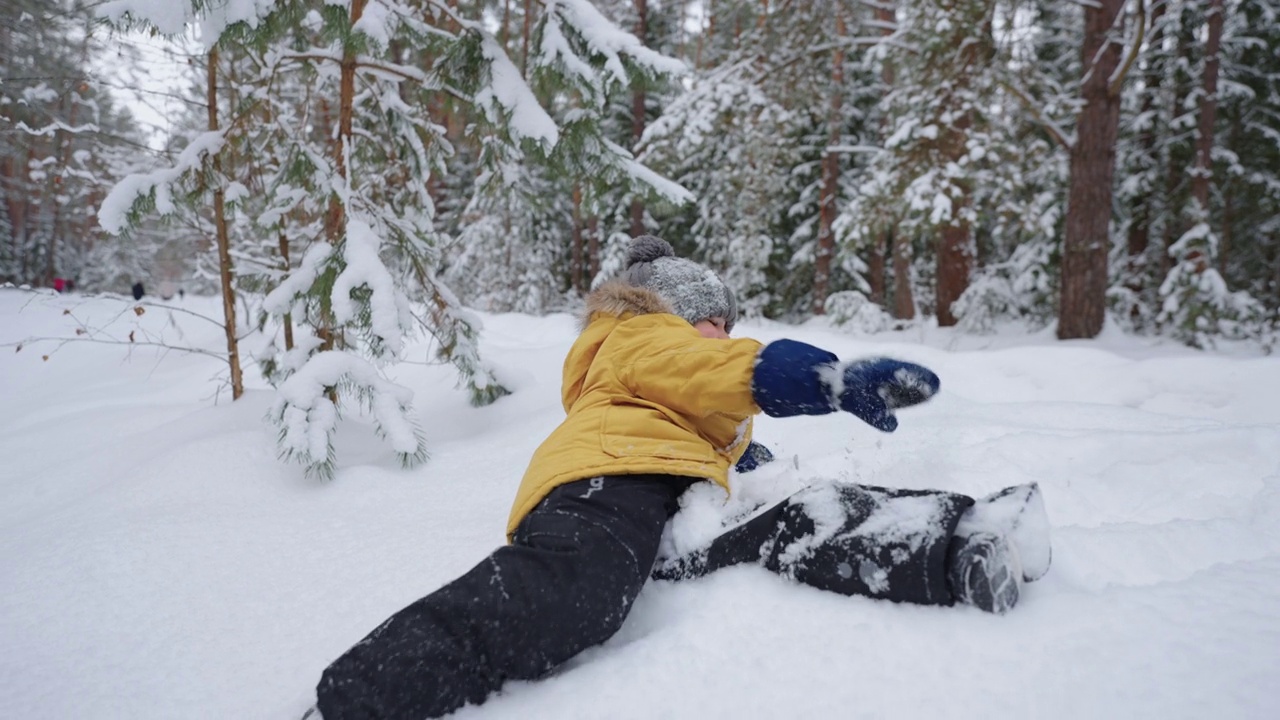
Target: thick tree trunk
(955,240)
(830,181)
(1082,307)
(955,261)
(637,115)
(224,241)
(899,246)
(876,266)
(904,304)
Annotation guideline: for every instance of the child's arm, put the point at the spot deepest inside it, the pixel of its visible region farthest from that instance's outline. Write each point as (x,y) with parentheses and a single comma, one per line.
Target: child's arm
(698,377)
(793,378)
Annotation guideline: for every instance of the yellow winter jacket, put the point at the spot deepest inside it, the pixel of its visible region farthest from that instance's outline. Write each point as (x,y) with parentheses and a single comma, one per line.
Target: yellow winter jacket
(644,393)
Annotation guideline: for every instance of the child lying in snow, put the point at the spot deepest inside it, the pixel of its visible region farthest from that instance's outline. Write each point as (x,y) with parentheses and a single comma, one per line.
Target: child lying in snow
(657,397)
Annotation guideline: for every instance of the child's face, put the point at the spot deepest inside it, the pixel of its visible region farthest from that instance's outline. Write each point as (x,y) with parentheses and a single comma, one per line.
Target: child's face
(712,328)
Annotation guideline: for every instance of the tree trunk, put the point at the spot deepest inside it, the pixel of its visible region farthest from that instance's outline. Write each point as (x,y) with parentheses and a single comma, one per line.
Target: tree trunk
(830,181)
(955,239)
(637,115)
(1228,207)
(1092,166)
(1173,227)
(336,218)
(875,267)
(1203,171)
(955,261)
(904,304)
(287,322)
(525,34)
(593,249)
(708,31)
(504,35)
(224,241)
(1140,221)
(335,221)
(576,269)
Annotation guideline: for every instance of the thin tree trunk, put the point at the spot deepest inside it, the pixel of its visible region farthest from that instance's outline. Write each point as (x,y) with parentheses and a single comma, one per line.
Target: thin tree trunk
(336,218)
(708,31)
(1140,220)
(593,248)
(1228,207)
(576,269)
(1173,227)
(1092,166)
(1203,171)
(830,181)
(637,115)
(284,263)
(504,36)
(526,33)
(224,241)
(335,221)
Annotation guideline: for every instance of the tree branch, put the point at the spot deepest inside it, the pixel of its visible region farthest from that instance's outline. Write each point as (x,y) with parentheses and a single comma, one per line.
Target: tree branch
(1054,131)
(1117,78)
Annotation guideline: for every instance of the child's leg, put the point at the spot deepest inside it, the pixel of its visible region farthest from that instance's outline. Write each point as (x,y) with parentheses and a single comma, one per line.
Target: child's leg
(566,583)
(851,539)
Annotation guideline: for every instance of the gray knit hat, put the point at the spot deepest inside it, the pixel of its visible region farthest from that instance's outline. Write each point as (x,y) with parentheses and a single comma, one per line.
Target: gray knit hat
(694,291)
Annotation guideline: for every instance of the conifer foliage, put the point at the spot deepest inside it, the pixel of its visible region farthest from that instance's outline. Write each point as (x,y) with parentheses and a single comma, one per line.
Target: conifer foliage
(343,123)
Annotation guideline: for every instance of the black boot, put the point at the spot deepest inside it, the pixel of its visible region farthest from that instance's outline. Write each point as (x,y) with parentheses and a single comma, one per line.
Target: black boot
(984,571)
(1018,514)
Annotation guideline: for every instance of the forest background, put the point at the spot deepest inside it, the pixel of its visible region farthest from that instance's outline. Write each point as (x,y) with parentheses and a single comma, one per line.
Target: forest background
(347,175)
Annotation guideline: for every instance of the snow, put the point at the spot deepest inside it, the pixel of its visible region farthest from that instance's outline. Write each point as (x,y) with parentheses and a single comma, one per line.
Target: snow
(389,316)
(508,92)
(159,561)
(114,213)
(170,17)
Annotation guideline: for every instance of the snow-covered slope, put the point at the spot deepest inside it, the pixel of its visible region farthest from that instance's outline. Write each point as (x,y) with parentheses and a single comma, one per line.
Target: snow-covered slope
(157,561)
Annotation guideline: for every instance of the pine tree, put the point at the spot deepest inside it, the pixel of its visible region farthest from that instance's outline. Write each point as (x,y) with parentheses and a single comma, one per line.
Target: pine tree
(358,195)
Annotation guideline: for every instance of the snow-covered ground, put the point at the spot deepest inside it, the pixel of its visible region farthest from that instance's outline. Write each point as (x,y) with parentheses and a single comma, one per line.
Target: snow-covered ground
(157,561)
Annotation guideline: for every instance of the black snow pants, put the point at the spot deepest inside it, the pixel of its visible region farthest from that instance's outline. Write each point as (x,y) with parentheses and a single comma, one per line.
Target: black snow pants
(851,539)
(566,583)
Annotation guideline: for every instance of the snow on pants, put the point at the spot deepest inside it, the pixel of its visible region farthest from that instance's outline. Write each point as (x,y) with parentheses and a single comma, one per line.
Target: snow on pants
(567,581)
(851,539)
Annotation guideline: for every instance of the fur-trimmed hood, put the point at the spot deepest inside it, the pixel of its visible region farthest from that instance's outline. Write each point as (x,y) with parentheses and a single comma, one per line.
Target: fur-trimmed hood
(619,298)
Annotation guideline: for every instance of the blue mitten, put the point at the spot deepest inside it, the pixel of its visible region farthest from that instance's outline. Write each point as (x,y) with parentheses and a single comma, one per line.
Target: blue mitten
(873,388)
(793,378)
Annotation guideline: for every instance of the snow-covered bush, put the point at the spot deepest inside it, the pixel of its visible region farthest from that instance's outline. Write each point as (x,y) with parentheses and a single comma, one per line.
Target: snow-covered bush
(1196,305)
(1020,289)
(853,310)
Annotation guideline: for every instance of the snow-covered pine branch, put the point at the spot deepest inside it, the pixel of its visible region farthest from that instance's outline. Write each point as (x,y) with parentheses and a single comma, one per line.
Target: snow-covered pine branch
(308,417)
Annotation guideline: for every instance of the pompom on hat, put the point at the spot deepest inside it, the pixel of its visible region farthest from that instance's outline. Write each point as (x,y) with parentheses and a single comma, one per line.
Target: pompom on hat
(694,291)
